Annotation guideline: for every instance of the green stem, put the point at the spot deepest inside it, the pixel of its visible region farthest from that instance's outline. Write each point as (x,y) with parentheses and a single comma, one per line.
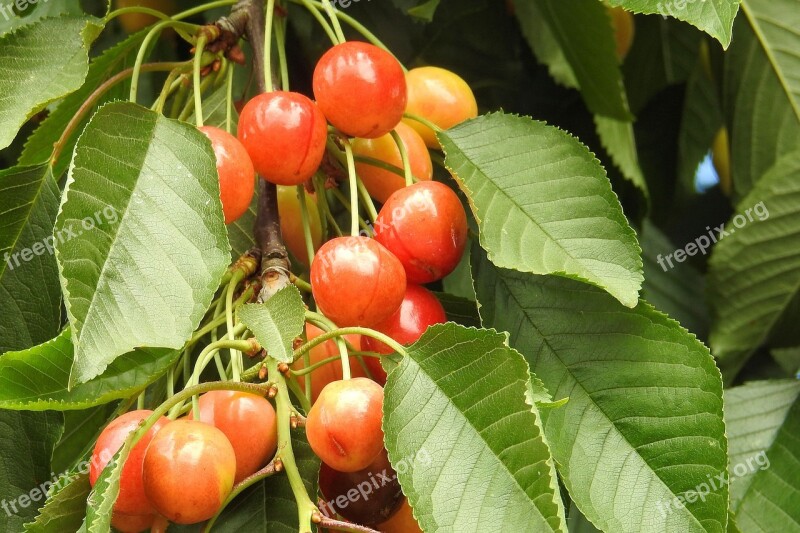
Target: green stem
(347,205)
(315,12)
(198,94)
(337,27)
(301,196)
(140,56)
(301,284)
(236,356)
(303,397)
(366,201)
(404,157)
(268,46)
(316,341)
(240,487)
(280,40)
(189,107)
(141,399)
(229,101)
(353,179)
(326,324)
(424,121)
(332,359)
(135,9)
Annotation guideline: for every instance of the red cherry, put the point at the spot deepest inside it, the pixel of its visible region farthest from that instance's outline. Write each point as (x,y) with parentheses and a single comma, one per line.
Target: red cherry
(344,425)
(377,493)
(188,471)
(248,421)
(425,226)
(237,178)
(420,309)
(402,522)
(131,499)
(361,89)
(132,523)
(285,135)
(356,281)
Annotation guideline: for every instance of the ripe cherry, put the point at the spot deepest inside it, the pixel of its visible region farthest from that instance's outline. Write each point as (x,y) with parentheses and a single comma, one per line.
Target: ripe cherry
(420,309)
(132,499)
(623,25)
(378,494)
(425,226)
(285,134)
(440,96)
(361,89)
(332,371)
(132,523)
(356,281)
(134,22)
(292,222)
(403,521)
(188,471)
(250,424)
(237,178)
(344,425)
(382,183)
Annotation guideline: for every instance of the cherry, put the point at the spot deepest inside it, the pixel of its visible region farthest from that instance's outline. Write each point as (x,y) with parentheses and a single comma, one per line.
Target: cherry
(378,492)
(420,309)
(344,425)
(132,523)
(131,499)
(403,521)
(134,22)
(332,371)
(425,226)
(382,183)
(356,281)
(440,96)
(285,134)
(237,178)
(188,471)
(622,22)
(361,89)
(292,222)
(250,424)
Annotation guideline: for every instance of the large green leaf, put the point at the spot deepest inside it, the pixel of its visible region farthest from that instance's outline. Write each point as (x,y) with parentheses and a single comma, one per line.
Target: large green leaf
(763,420)
(29,290)
(468,448)
(26,445)
(277,322)
(64,511)
(618,140)
(643,424)
(714,17)
(546,205)
(754,272)
(763,120)
(544,44)
(40,63)
(37,379)
(13,18)
(145,273)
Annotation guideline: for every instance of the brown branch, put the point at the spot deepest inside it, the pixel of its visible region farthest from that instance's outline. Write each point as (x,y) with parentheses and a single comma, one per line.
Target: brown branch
(338,525)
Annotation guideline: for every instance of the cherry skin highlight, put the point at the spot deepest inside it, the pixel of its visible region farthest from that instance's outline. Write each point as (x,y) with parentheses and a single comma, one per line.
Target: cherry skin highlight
(250,424)
(132,499)
(344,425)
(382,183)
(189,470)
(361,89)
(285,134)
(356,281)
(237,177)
(419,310)
(425,226)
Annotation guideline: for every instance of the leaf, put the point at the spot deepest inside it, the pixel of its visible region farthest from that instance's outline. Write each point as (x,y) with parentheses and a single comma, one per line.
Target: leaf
(643,423)
(277,322)
(39,146)
(618,140)
(754,272)
(39,64)
(425,10)
(65,510)
(269,506)
(14,18)
(715,17)
(26,445)
(81,430)
(763,121)
(788,359)
(100,502)
(144,271)
(215,112)
(546,206)
(29,288)
(37,379)
(543,43)
(467,447)
(763,420)
(460,310)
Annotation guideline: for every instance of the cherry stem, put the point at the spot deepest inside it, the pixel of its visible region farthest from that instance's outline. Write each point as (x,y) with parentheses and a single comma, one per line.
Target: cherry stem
(366,201)
(347,205)
(320,19)
(404,157)
(236,356)
(140,56)
(424,121)
(280,40)
(229,101)
(309,240)
(135,9)
(198,93)
(271,469)
(319,364)
(220,320)
(338,525)
(393,344)
(170,85)
(268,46)
(337,27)
(327,325)
(300,283)
(303,397)
(353,179)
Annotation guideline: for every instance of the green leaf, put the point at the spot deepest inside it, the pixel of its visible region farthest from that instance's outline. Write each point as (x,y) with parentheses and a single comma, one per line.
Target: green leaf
(425,10)
(65,510)
(544,44)
(763,120)
(144,271)
(460,310)
(715,17)
(468,448)
(643,424)
(269,506)
(763,420)
(754,271)
(215,112)
(81,430)
(618,140)
(38,378)
(13,17)
(39,146)
(788,359)
(26,445)
(29,288)
(100,503)
(546,206)
(39,64)
(277,322)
